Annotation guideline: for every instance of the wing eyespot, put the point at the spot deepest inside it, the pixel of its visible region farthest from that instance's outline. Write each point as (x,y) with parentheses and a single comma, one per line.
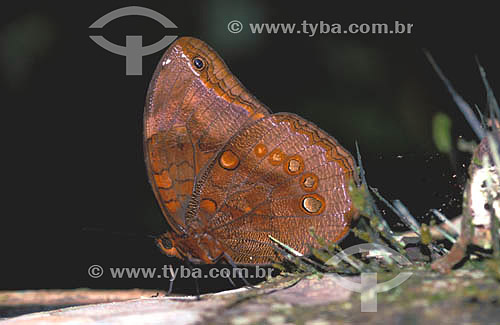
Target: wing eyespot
(312,204)
(294,165)
(229,160)
(309,182)
(199,63)
(276,157)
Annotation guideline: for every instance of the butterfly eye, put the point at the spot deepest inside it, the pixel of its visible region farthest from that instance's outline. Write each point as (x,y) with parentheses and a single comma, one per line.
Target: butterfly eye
(198,63)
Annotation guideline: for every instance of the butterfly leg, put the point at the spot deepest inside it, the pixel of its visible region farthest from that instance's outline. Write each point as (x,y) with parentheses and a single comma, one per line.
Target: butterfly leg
(231,262)
(171,282)
(197,285)
(216,261)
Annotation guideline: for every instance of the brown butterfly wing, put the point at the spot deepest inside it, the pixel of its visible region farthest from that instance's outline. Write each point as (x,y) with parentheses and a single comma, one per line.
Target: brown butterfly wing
(190,113)
(279,176)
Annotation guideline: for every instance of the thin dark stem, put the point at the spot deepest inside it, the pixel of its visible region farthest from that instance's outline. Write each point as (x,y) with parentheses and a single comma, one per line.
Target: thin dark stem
(461,103)
(490,97)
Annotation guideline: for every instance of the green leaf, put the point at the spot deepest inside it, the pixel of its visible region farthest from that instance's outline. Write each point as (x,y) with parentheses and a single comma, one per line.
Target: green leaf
(441,132)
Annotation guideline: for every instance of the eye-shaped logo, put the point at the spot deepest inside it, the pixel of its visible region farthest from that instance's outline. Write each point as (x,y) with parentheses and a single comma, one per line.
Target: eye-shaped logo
(133,49)
(368,286)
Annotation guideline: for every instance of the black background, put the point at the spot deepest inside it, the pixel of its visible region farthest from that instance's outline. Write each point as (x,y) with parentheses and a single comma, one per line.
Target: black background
(75,187)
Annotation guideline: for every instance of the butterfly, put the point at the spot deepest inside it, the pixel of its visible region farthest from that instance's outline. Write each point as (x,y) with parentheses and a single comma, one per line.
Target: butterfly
(227,173)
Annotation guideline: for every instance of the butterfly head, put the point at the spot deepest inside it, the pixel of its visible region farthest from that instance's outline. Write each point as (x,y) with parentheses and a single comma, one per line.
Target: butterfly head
(199,248)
